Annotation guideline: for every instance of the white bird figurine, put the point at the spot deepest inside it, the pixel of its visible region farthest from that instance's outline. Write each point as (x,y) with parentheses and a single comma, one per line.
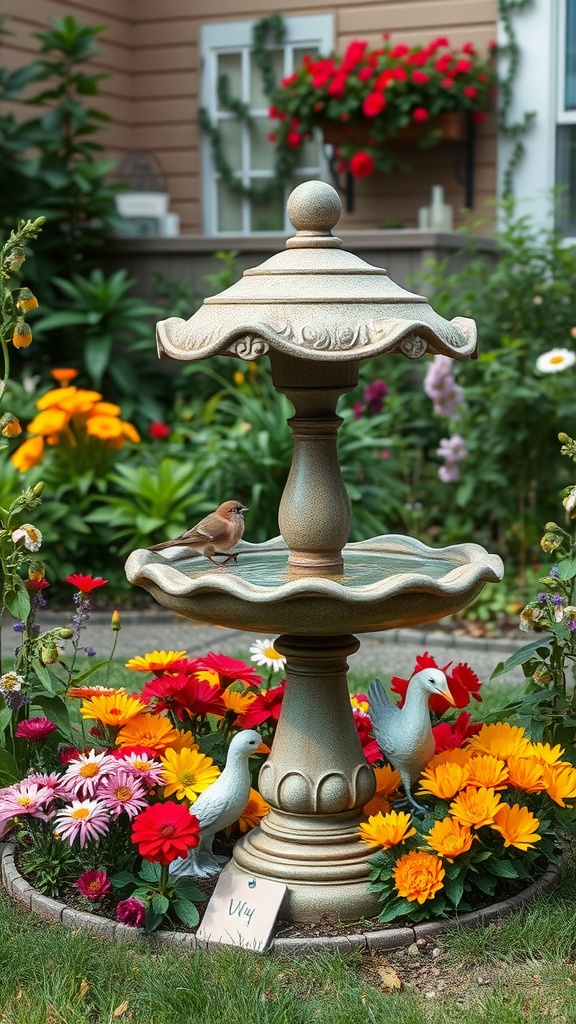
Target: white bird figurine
(404,734)
(221,805)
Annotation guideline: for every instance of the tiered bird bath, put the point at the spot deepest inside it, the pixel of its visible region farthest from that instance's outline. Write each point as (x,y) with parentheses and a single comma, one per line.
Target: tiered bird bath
(317,311)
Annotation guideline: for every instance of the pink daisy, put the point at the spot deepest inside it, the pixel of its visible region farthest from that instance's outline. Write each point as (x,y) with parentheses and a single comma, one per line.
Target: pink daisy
(85,773)
(88,819)
(93,884)
(122,792)
(25,798)
(143,767)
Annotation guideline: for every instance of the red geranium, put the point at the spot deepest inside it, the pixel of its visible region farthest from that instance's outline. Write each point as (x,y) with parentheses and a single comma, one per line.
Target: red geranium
(420,114)
(159,431)
(463,684)
(420,77)
(448,737)
(362,165)
(373,104)
(85,584)
(163,832)
(268,704)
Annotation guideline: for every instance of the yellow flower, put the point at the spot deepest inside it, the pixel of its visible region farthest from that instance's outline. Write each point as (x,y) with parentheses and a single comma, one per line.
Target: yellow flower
(475,806)
(105,428)
(129,431)
(517,825)
(187,773)
(526,773)
(237,702)
(22,336)
(460,755)
(54,397)
(502,740)
(360,705)
(449,838)
(418,876)
(79,401)
(560,783)
(29,454)
(63,374)
(153,731)
(386,830)
(239,378)
(155,661)
(50,421)
(444,781)
(387,782)
(547,754)
(488,771)
(105,409)
(185,739)
(26,300)
(113,709)
(10,425)
(255,810)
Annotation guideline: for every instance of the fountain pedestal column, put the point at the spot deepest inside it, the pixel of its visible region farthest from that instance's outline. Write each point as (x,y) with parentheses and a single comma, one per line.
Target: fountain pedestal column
(316,781)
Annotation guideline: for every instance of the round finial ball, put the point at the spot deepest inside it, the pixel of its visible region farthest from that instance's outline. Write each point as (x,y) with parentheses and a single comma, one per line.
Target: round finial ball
(314,206)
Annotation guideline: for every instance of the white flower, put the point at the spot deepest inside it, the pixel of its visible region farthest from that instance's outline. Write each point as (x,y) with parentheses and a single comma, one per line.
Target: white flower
(555,360)
(264,653)
(29,535)
(11,682)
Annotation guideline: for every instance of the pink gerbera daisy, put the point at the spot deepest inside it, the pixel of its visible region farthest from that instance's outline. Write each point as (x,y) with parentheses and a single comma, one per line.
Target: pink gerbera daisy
(84,774)
(87,819)
(35,729)
(143,767)
(122,792)
(93,884)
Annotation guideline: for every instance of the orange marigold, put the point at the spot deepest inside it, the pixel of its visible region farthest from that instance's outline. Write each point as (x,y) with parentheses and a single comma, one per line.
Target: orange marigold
(386,830)
(488,771)
(502,740)
(116,708)
(449,838)
(460,755)
(475,806)
(255,810)
(63,374)
(153,731)
(155,661)
(418,876)
(517,825)
(560,783)
(526,773)
(387,782)
(445,780)
(29,454)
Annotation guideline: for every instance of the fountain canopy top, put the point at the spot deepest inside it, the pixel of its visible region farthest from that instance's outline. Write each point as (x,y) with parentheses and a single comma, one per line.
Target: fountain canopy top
(315,301)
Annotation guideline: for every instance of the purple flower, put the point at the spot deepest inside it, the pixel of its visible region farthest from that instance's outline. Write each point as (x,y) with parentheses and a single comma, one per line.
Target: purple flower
(19,627)
(452,450)
(89,652)
(442,389)
(358,410)
(542,597)
(374,394)
(554,572)
(571,624)
(131,912)
(556,599)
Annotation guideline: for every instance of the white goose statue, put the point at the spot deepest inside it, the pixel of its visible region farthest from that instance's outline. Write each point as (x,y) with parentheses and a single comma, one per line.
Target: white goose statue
(221,805)
(404,734)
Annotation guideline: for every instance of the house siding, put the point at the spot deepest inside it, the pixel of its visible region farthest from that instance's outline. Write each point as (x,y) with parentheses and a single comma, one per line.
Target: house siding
(151,53)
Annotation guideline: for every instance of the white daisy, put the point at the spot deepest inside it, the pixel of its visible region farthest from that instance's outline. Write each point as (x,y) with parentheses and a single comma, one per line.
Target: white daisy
(264,653)
(555,360)
(11,682)
(29,535)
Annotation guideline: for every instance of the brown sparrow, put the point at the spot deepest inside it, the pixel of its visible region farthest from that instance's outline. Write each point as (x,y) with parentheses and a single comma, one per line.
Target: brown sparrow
(214,534)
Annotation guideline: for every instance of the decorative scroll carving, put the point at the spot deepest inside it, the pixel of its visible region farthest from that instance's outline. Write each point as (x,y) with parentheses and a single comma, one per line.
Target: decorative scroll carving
(413,346)
(250,346)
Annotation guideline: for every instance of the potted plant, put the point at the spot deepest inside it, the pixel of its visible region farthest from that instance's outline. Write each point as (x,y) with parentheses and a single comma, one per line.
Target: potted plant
(369,96)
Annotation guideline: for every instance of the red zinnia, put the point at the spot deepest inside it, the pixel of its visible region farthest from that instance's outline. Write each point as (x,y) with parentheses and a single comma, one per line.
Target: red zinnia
(35,729)
(373,104)
(268,704)
(362,165)
(160,691)
(163,832)
(35,585)
(420,114)
(85,584)
(159,431)
(93,884)
(229,669)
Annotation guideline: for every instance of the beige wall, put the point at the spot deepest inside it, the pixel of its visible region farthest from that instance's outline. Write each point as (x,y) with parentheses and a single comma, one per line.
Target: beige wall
(150,51)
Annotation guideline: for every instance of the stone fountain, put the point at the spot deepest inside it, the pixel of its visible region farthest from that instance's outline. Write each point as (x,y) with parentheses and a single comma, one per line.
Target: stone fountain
(316,310)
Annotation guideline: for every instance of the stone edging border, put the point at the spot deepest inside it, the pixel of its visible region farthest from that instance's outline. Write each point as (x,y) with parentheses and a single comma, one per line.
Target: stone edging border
(54,912)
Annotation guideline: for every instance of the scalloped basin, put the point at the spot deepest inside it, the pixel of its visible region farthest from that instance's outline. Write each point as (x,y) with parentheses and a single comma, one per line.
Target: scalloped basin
(387,582)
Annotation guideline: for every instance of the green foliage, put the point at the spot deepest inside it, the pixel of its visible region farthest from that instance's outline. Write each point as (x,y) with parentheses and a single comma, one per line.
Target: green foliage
(167,900)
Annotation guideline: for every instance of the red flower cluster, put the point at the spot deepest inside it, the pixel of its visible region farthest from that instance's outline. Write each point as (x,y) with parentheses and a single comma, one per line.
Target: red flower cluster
(463,684)
(163,832)
(389,87)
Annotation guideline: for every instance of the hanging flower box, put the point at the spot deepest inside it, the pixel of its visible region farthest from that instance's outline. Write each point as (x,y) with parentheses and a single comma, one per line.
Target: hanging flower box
(366,98)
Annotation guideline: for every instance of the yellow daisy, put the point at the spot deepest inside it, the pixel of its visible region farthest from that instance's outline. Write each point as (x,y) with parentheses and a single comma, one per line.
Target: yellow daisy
(187,773)
(155,661)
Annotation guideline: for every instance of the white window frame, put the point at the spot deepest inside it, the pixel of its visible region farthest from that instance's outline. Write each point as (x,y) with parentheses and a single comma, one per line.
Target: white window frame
(220,37)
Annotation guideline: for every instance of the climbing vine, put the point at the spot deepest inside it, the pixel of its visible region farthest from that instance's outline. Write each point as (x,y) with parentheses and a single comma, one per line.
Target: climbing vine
(269,29)
(512,129)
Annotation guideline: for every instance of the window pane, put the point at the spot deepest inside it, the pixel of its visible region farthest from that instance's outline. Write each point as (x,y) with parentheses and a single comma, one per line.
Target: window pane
(269,215)
(231,135)
(229,209)
(262,152)
(570,57)
(309,154)
(230,65)
(258,98)
(566,178)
